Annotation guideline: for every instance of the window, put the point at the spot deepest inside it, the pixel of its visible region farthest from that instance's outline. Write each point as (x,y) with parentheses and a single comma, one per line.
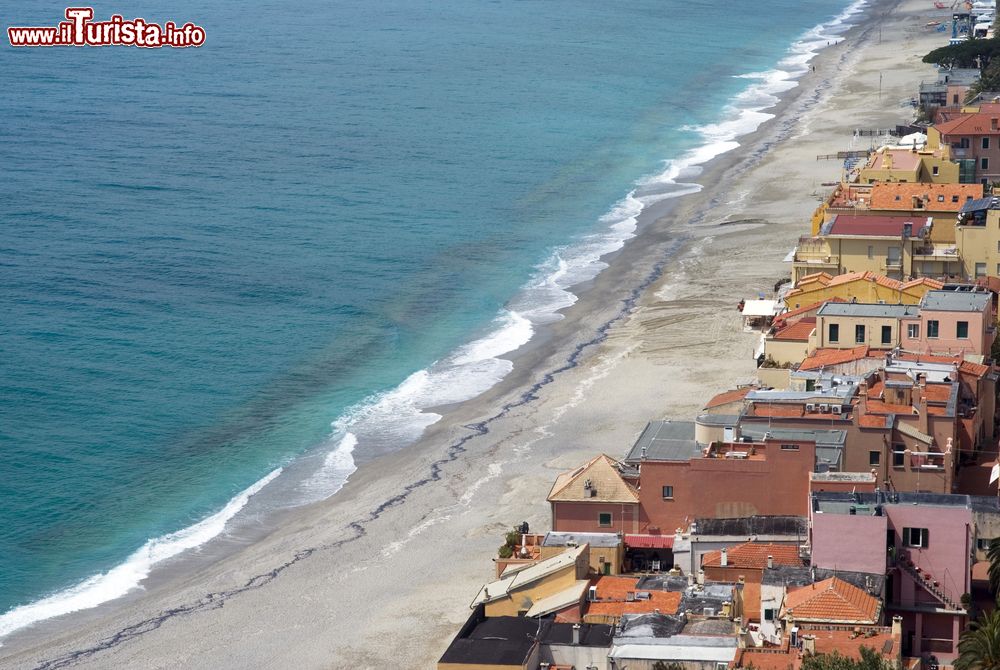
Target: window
(940,198)
(898,197)
(932,328)
(834,333)
(963,143)
(898,456)
(980,269)
(871,251)
(934,170)
(895,256)
(915,537)
(789,447)
(984,163)
(859,333)
(998,246)
(986,143)
(954,198)
(668,492)
(886,334)
(962,329)
(874,457)
(913,331)
(983,543)
(604,519)
(769,614)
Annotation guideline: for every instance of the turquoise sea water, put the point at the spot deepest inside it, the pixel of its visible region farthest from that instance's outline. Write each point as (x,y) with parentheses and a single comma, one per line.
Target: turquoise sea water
(292,240)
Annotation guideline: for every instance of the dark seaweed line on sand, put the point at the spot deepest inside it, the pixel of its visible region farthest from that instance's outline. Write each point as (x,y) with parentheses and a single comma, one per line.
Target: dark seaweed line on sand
(217,599)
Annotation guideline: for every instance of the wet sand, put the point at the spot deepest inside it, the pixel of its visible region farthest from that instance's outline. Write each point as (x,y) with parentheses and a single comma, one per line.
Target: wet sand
(382,574)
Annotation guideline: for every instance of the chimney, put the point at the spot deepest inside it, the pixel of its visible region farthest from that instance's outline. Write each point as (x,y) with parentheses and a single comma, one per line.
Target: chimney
(770,562)
(576,634)
(701,576)
(897,626)
(724,558)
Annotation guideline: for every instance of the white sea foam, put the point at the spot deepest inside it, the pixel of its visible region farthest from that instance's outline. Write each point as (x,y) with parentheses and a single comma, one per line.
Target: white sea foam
(128,575)
(398,417)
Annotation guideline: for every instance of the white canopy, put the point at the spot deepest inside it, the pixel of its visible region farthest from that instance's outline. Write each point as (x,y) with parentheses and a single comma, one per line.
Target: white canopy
(917,140)
(761,307)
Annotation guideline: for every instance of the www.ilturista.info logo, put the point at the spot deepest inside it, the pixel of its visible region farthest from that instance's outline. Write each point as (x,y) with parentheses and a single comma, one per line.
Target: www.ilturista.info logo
(79,30)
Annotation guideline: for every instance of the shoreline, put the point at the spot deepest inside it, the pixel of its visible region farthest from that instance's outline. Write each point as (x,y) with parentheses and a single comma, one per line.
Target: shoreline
(595,306)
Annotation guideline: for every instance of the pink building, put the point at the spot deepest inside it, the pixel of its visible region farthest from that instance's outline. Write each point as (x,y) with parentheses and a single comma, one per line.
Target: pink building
(951,322)
(924,545)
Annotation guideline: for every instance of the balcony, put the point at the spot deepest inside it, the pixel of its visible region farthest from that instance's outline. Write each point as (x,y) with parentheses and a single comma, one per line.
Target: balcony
(931,252)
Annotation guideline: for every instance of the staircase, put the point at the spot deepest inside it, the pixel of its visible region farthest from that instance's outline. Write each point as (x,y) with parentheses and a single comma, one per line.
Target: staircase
(926,582)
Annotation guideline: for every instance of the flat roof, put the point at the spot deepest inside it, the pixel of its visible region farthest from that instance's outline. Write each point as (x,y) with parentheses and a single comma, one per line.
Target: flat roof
(503,640)
(591,634)
(566,539)
(837,502)
(793,575)
(820,437)
(793,526)
(665,441)
(956,301)
(872,310)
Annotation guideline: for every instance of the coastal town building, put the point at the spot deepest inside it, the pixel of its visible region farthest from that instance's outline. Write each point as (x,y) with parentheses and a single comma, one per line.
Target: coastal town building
(520,587)
(811,291)
(972,141)
(977,238)
(949,89)
(940,201)
(595,498)
(909,165)
(849,243)
(922,542)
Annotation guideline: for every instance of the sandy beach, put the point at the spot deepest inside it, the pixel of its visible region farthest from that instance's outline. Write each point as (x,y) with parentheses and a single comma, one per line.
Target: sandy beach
(381,575)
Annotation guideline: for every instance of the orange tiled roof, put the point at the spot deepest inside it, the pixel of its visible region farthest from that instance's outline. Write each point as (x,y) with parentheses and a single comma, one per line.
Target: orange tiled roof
(847,643)
(727,397)
(823,357)
(827,280)
(937,392)
(832,601)
(762,660)
(611,598)
(975,369)
(754,555)
(936,197)
(771,409)
(798,331)
(879,407)
(976,123)
(872,421)
(781,318)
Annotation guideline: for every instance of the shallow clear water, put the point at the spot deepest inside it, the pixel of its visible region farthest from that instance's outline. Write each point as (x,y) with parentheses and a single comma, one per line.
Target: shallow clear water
(215,260)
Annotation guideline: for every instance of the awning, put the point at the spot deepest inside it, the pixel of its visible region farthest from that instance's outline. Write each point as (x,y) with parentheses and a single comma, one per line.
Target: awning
(649,541)
(761,307)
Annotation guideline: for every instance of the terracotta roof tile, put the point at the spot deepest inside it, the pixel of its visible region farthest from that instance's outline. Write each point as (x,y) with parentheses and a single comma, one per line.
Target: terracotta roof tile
(872,421)
(936,197)
(612,593)
(781,318)
(937,392)
(976,123)
(754,555)
(798,331)
(765,660)
(727,397)
(832,601)
(848,644)
(824,357)
(875,226)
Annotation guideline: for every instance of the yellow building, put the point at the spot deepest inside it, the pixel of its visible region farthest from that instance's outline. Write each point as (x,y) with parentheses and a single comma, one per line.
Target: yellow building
(929,165)
(520,587)
(977,237)
(864,287)
(865,243)
(607,551)
(942,202)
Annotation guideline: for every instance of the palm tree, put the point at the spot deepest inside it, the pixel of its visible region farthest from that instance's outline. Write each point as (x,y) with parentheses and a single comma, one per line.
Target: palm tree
(993,556)
(979,647)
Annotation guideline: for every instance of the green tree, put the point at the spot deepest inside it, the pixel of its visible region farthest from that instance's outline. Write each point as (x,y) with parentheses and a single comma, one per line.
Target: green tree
(979,647)
(870,660)
(993,556)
